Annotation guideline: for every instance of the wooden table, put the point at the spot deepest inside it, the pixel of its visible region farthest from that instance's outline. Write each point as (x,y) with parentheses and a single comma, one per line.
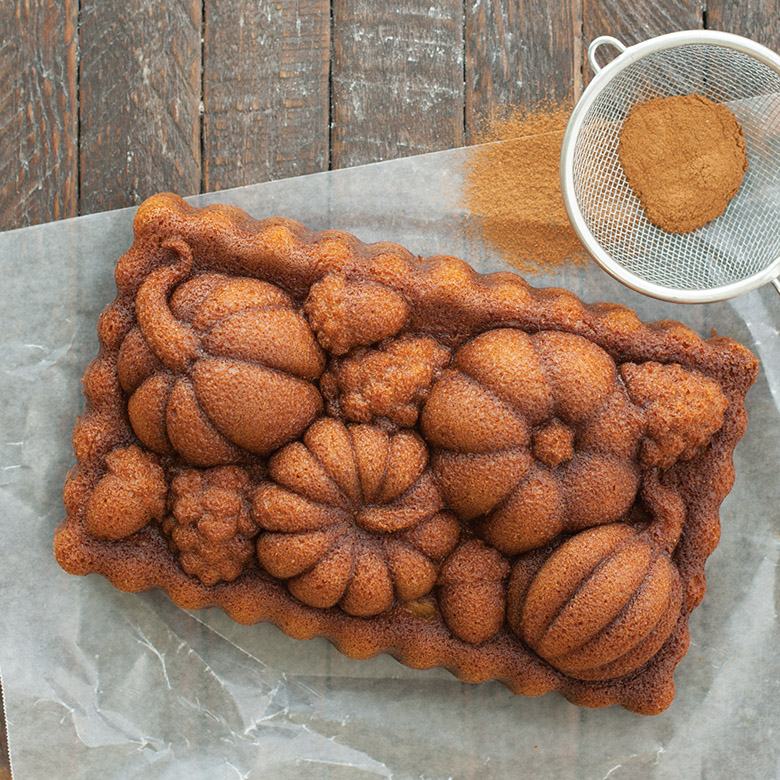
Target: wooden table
(103,103)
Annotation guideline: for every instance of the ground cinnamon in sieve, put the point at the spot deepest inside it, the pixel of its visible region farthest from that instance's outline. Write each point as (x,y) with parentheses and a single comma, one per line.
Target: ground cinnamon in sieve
(684,157)
(513,191)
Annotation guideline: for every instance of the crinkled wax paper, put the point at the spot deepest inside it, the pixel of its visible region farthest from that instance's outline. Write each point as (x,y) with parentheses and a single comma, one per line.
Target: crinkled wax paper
(100,683)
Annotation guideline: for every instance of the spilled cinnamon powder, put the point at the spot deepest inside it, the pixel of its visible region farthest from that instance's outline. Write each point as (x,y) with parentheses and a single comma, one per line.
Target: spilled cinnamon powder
(512,190)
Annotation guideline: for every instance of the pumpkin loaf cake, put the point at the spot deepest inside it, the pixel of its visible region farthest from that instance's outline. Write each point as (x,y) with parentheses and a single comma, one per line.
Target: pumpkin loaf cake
(403,455)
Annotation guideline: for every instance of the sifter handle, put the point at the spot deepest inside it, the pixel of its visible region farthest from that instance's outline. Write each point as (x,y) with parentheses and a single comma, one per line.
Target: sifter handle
(601,41)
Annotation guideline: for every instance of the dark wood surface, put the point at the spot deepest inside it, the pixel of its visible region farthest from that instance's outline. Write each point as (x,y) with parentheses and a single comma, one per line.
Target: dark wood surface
(632,22)
(757,19)
(266,102)
(38,111)
(103,103)
(396,79)
(520,53)
(139,100)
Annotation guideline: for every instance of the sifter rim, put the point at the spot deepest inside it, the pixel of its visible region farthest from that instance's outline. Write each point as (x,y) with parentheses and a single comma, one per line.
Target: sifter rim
(600,81)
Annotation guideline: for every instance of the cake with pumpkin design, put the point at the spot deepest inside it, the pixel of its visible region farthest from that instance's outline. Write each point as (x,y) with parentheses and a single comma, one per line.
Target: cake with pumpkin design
(403,455)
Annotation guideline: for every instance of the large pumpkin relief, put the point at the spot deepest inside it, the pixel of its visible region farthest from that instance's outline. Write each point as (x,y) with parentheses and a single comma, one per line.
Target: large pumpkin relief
(601,605)
(604,602)
(226,365)
(535,436)
(353,518)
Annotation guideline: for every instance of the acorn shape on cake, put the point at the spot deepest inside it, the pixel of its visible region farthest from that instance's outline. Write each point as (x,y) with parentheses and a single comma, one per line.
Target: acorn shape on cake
(533,436)
(603,603)
(346,313)
(227,365)
(352,517)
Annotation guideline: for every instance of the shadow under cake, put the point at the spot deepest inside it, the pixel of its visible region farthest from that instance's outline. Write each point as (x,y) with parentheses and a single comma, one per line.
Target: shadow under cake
(403,455)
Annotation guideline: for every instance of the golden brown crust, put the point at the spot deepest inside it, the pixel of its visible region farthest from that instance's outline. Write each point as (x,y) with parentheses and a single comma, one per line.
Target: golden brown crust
(398,571)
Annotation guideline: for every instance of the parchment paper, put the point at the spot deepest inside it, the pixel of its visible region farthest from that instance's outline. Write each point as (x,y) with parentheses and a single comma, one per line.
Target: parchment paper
(100,683)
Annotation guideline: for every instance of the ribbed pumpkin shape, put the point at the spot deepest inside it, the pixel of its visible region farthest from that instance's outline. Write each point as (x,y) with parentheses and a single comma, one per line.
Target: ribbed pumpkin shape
(533,435)
(600,606)
(226,365)
(352,517)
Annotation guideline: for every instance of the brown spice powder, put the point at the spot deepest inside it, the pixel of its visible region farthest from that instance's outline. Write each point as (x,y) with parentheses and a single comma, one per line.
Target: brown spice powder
(684,157)
(513,191)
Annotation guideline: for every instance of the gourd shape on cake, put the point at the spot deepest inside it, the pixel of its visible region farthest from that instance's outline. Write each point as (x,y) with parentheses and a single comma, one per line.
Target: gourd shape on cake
(472,594)
(226,365)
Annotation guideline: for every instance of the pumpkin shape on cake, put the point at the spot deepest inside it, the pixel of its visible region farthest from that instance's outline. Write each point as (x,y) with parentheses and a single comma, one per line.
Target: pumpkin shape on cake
(352,517)
(602,603)
(227,365)
(534,435)
(600,606)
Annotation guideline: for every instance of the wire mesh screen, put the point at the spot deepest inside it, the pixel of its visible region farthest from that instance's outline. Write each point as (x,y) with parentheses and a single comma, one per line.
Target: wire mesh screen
(737,245)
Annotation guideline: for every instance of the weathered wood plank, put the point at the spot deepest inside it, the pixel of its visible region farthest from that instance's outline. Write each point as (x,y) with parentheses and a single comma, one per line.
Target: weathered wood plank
(520,54)
(140,89)
(38,111)
(757,19)
(265,90)
(632,21)
(397,79)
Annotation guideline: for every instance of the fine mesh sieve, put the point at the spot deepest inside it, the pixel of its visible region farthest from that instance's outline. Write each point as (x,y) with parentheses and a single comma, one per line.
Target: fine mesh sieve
(735,253)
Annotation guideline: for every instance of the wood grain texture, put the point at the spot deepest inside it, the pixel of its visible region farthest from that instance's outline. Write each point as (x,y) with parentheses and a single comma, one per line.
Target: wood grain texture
(38,111)
(520,54)
(632,21)
(140,82)
(265,90)
(757,19)
(397,79)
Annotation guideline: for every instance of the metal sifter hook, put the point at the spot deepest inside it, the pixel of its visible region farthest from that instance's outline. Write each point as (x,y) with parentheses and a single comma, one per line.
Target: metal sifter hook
(596,43)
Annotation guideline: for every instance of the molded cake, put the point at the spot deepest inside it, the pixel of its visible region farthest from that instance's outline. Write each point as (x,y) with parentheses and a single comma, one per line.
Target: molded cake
(403,455)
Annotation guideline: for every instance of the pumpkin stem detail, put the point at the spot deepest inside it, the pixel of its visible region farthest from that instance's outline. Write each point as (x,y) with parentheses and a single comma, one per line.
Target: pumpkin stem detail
(172,342)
